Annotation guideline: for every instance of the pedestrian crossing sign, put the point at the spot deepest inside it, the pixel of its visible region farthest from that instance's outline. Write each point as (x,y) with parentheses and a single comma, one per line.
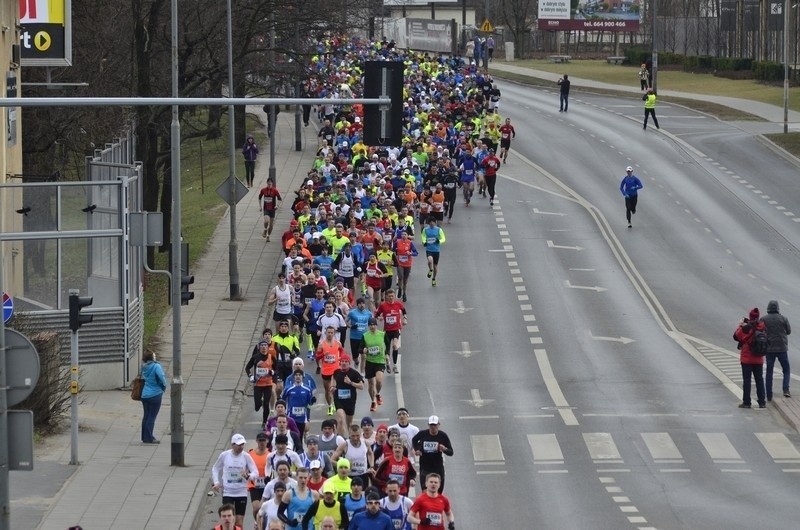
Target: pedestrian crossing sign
(487,27)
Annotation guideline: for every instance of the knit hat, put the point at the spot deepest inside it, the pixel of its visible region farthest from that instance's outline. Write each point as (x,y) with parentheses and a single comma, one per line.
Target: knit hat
(754,314)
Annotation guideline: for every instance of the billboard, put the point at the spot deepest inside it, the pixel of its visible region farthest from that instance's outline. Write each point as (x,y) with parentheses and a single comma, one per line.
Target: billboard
(589,15)
(46,38)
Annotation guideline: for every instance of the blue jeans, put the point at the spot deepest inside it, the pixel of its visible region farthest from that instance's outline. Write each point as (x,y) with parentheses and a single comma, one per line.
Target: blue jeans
(564,102)
(783,358)
(757,371)
(151,407)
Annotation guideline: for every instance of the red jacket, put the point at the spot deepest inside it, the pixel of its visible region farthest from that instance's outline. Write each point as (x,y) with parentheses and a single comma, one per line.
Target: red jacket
(744,334)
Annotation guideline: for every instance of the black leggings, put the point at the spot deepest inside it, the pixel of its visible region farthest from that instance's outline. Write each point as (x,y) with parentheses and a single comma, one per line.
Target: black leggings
(450,203)
(650,112)
(490,182)
(262,396)
(630,206)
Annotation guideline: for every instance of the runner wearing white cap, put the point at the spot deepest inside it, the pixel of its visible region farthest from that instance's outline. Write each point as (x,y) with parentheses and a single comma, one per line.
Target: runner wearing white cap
(229,474)
(431,446)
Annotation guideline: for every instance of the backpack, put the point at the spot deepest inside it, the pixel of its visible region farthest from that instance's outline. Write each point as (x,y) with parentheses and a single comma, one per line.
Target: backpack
(759,343)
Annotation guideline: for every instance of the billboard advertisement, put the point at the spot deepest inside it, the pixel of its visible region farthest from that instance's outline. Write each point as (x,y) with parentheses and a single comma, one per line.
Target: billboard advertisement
(589,15)
(46,38)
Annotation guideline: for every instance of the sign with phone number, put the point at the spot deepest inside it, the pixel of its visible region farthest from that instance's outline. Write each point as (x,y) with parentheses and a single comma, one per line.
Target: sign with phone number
(588,25)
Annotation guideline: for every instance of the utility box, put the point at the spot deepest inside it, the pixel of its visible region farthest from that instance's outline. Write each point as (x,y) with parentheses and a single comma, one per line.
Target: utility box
(509,47)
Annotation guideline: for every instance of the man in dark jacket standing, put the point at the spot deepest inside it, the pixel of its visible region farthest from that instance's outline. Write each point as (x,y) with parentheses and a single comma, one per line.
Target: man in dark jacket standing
(752,364)
(777,330)
(563,100)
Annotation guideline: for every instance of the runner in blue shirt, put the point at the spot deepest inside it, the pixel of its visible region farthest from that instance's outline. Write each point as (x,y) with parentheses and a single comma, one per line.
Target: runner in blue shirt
(298,399)
(357,319)
(629,187)
(432,239)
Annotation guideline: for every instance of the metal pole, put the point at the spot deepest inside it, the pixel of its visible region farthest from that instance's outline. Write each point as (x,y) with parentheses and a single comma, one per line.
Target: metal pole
(298,110)
(786,10)
(74,361)
(272,115)
(176,388)
(5,487)
(463,27)
(233,246)
(654,67)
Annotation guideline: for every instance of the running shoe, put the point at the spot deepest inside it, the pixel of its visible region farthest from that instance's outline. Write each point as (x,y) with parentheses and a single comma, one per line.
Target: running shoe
(264,233)
(430,273)
(396,370)
(373,407)
(380,399)
(310,355)
(433,282)
(405,299)
(331,410)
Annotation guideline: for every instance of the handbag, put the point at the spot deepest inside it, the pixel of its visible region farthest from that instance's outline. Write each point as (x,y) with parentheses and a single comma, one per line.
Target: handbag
(137,385)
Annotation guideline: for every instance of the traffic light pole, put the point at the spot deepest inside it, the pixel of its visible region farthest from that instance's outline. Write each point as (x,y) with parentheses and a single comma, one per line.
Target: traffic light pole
(5,486)
(73,381)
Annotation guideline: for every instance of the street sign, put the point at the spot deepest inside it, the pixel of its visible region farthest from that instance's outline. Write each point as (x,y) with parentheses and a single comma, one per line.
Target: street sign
(487,27)
(224,191)
(22,367)
(20,440)
(8,307)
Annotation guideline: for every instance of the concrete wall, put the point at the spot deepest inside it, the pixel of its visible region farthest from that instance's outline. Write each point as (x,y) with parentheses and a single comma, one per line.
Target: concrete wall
(10,155)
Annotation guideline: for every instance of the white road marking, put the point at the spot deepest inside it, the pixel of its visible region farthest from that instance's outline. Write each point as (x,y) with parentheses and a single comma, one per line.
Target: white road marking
(550,244)
(486,448)
(778,446)
(719,447)
(661,446)
(594,288)
(553,388)
(601,446)
(545,448)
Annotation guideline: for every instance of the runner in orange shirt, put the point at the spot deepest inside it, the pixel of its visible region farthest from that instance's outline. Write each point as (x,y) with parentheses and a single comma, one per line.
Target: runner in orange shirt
(328,353)
(256,485)
(405,251)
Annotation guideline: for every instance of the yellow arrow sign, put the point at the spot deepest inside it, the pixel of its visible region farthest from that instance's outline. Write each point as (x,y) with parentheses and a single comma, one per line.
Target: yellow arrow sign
(487,27)
(42,41)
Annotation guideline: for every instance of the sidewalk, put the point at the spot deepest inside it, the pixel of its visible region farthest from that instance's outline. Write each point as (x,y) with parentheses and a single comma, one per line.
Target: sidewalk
(770,113)
(122,483)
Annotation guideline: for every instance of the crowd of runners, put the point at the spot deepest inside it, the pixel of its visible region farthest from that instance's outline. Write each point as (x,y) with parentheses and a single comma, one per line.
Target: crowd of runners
(360,220)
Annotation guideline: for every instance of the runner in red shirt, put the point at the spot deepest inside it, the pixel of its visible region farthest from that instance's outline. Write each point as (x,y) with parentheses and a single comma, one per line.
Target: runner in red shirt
(394,317)
(398,467)
(507,132)
(268,197)
(431,509)
(490,165)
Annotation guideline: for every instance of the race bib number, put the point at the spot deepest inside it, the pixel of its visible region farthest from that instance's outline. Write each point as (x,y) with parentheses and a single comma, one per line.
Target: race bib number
(436,518)
(398,524)
(346,269)
(391,319)
(402,259)
(469,171)
(450,185)
(330,359)
(298,411)
(387,237)
(372,273)
(438,206)
(262,372)
(358,467)
(260,482)
(234,475)
(431,240)
(398,477)
(430,447)
(343,393)
(505,136)
(267,201)
(374,350)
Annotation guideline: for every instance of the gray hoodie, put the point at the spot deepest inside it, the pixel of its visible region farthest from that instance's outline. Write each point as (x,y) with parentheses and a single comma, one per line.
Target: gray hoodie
(777,328)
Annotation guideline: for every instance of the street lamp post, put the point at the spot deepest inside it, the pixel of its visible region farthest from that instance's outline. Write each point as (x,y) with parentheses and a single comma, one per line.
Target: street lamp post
(786,11)
(654,67)
(233,245)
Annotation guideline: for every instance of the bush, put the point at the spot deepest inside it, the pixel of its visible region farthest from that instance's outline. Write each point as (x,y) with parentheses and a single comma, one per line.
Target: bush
(669,58)
(768,71)
(733,64)
(698,63)
(637,56)
(50,400)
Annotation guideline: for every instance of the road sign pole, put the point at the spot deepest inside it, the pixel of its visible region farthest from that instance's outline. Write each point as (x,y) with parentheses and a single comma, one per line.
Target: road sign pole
(5,489)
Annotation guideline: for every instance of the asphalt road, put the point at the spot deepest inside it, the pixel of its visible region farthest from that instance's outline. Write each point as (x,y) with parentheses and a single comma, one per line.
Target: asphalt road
(584,370)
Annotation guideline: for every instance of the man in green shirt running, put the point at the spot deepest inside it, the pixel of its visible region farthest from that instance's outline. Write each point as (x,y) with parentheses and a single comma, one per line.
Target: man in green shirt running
(375,355)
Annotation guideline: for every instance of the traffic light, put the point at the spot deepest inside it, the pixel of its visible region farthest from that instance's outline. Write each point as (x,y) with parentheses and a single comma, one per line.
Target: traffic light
(186,294)
(76,303)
